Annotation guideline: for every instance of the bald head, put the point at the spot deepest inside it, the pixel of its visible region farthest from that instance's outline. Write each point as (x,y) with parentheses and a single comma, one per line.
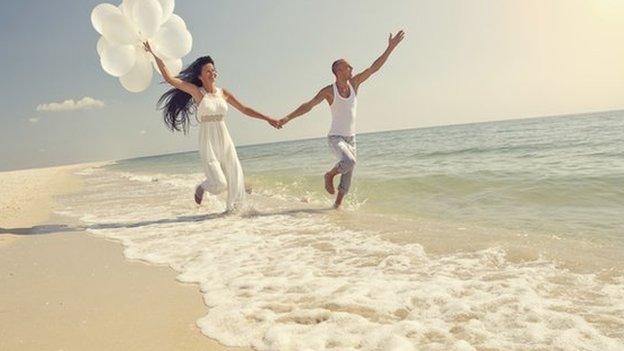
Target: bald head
(342,69)
(335,64)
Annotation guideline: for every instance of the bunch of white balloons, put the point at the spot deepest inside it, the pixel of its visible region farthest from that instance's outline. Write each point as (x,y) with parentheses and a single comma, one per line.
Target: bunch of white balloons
(124,28)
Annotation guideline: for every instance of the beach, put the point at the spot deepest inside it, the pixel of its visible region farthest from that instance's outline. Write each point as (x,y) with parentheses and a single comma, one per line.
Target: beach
(491,236)
(254,176)
(27,195)
(63,289)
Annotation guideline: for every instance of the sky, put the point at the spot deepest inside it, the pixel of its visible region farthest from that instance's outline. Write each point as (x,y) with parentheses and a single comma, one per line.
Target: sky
(461,62)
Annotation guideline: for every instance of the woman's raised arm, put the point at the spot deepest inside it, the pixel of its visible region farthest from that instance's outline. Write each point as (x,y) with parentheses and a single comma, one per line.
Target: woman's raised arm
(178,83)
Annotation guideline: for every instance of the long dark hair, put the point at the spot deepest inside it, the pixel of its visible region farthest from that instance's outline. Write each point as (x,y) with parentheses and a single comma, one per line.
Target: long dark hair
(177,106)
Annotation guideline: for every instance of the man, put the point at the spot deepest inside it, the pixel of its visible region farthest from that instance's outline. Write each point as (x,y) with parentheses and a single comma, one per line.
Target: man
(342,99)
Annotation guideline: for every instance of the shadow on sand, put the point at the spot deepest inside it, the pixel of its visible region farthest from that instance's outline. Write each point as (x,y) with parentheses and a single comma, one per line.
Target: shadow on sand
(65,228)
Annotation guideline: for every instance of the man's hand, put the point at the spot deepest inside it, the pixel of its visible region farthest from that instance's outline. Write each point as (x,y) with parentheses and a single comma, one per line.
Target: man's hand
(274,123)
(393,41)
(283,121)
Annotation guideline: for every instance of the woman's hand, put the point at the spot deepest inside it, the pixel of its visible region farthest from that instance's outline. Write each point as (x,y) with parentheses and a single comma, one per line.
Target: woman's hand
(147,47)
(274,123)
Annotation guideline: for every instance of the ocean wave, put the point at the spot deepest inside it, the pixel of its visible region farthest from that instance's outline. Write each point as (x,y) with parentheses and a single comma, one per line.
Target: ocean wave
(284,278)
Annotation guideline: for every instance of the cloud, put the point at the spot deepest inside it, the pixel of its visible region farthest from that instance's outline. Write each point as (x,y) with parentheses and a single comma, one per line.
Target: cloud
(143,132)
(33,120)
(85,103)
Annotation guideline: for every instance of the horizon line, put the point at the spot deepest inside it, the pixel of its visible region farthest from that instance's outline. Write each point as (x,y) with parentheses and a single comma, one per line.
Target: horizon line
(320,137)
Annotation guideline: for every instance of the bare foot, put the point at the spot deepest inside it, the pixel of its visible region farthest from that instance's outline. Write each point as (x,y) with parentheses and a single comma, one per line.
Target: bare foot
(329,183)
(339,198)
(199,194)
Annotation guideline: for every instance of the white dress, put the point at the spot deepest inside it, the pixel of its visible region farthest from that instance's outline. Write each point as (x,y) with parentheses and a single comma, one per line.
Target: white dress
(218,154)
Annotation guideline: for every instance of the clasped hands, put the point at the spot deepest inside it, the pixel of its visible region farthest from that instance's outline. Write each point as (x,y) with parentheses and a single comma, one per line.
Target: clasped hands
(277,123)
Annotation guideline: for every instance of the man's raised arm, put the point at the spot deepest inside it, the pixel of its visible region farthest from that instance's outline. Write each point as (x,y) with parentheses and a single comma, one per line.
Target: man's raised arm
(393,41)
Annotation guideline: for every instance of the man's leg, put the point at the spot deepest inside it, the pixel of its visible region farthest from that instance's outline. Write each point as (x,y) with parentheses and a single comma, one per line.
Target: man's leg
(343,187)
(345,150)
(329,179)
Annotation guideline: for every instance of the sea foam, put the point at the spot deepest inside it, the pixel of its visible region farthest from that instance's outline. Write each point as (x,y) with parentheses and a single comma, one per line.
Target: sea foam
(283,278)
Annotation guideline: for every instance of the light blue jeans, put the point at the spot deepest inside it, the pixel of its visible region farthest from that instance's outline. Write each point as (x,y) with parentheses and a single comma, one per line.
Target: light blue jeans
(344,149)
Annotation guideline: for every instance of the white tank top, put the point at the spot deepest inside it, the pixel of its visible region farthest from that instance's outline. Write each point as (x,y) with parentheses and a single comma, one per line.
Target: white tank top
(343,113)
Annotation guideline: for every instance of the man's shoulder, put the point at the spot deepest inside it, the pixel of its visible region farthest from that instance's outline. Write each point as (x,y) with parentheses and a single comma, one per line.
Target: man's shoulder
(326,91)
(355,84)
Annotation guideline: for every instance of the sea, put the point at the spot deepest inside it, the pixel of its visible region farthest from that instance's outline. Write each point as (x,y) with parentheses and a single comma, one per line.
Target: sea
(504,235)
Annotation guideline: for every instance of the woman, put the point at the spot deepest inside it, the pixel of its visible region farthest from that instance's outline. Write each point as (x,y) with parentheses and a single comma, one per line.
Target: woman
(195,89)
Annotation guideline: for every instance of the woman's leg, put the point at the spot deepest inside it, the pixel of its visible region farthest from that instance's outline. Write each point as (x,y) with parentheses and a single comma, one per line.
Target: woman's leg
(228,157)
(215,182)
(235,180)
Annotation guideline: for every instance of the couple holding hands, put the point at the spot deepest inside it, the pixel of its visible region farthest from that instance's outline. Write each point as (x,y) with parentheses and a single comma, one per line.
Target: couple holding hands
(195,90)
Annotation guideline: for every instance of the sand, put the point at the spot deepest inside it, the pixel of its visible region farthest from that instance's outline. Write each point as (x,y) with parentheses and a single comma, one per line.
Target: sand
(27,195)
(64,289)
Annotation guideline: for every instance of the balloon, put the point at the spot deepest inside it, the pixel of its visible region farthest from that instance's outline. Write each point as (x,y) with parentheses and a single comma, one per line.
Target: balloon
(173,65)
(167,9)
(99,14)
(147,14)
(126,7)
(100,46)
(140,77)
(117,60)
(177,19)
(173,40)
(116,27)
(124,28)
